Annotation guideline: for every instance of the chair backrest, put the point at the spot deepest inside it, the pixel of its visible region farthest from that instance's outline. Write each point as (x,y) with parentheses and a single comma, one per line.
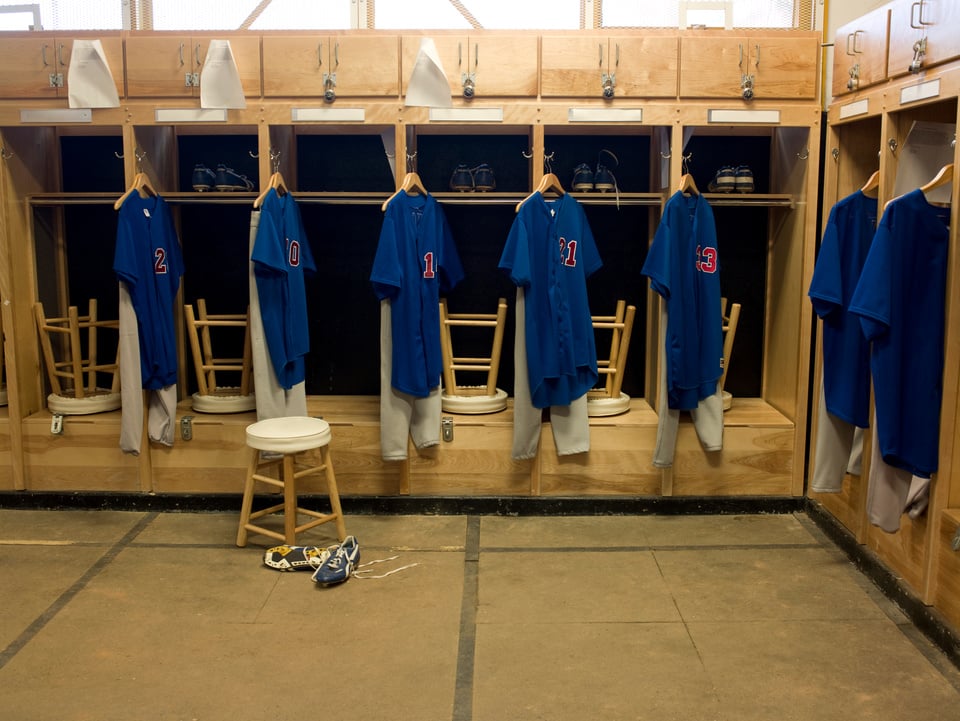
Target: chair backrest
(729,333)
(206,364)
(490,365)
(71,375)
(620,325)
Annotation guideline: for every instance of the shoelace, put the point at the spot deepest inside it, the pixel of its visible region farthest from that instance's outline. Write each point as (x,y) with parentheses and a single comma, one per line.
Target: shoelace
(358,573)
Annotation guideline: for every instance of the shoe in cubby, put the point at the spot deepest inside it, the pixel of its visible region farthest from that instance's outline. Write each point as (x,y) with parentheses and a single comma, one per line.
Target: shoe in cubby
(483,179)
(582,178)
(462,179)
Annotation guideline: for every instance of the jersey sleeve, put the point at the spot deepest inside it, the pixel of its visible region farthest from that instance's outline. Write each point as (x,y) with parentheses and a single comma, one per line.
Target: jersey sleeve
(451,269)
(657,265)
(124,257)
(871,299)
(590,255)
(268,246)
(826,286)
(387,273)
(515,258)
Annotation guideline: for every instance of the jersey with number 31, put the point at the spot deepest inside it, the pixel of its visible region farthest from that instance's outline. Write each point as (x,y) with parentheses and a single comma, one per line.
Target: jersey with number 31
(684,268)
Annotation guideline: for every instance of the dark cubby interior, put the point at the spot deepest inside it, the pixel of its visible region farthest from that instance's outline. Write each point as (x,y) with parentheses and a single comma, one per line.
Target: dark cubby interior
(231,150)
(343,163)
(630,163)
(92,163)
(706,154)
(439,155)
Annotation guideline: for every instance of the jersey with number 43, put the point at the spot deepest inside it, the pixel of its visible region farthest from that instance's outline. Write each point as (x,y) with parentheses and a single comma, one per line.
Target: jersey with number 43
(416,259)
(550,252)
(684,268)
(147,257)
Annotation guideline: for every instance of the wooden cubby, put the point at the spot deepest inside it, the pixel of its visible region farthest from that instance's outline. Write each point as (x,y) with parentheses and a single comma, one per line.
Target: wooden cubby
(866,131)
(544,110)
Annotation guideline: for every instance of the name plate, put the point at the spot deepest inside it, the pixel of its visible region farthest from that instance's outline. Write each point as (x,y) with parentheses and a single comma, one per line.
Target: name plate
(57,115)
(190,115)
(466,115)
(921,91)
(767,117)
(328,115)
(605,115)
(852,110)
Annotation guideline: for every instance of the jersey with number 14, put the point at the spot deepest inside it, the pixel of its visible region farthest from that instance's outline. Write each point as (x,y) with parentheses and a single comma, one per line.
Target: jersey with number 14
(684,268)
(415,260)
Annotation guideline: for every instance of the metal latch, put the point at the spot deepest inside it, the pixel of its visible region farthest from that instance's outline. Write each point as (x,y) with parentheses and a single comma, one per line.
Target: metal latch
(56,424)
(186,428)
(191,80)
(446,428)
(919,50)
(56,80)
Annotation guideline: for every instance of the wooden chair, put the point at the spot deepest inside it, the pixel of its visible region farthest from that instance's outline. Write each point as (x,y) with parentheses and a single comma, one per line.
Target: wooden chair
(609,399)
(73,378)
(729,333)
(457,398)
(212,397)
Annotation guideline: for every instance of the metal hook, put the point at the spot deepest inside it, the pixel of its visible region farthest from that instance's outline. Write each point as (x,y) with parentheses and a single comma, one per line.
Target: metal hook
(412,162)
(4,154)
(527,155)
(666,156)
(804,154)
(835,153)
(139,155)
(686,162)
(547,164)
(274,160)
(892,143)
(119,155)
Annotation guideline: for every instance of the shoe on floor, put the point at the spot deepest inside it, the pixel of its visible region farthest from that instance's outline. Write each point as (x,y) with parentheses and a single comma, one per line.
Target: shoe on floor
(582,178)
(203,178)
(743,180)
(483,179)
(228,179)
(338,567)
(725,181)
(296,558)
(603,178)
(462,179)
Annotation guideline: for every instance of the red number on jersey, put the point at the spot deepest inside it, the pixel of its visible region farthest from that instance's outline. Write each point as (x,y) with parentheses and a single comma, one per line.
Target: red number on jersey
(706,260)
(568,252)
(428,271)
(293,253)
(160,261)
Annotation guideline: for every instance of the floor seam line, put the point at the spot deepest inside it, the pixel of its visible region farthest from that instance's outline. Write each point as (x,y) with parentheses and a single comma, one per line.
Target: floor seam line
(38,624)
(467,643)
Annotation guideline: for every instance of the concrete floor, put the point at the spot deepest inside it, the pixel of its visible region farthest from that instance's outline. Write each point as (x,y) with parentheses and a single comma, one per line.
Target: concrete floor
(142,616)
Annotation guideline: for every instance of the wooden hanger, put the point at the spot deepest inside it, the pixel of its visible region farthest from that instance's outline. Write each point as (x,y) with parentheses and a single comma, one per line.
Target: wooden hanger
(276,183)
(141,184)
(942,178)
(687,185)
(872,185)
(411,185)
(548,182)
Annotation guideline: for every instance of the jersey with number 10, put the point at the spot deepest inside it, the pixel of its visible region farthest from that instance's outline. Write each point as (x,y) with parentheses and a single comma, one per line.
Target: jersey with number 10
(550,252)
(684,268)
(415,260)
(148,259)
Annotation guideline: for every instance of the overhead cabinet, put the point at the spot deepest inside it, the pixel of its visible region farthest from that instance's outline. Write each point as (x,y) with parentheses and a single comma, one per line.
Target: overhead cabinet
(330,66)
(923,33)
(609,66)
(36,65)
(169,65)
(750,66)
(860,52)
(487,65)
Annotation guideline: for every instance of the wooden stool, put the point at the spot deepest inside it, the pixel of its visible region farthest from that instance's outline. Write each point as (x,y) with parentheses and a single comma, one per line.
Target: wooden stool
(729,327)
(73,380)
(458,398)
(610,400)
(288,437)
(211,397)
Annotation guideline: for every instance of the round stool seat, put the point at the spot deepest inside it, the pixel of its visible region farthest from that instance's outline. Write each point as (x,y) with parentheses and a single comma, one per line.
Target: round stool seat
(475,404)
(291,434)
(602,406)
(226,400)
(98,402)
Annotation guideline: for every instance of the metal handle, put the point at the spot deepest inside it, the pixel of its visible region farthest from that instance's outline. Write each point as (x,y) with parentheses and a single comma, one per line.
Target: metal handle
(43,55)
(740,63)
(920,22)
(181,55)
(476,56)
(60,54)
(849,40)
(756,62)
(320,54)
(196,54)
(336,55)
(601,54)
(856,42)
(459,55)
(617,63)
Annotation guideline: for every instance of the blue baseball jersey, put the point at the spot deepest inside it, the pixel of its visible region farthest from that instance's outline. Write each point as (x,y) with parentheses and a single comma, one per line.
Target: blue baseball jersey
(148,258)
(901,299)
(281,257)
(550,252)
(416,259)
(846,353)
(684,268)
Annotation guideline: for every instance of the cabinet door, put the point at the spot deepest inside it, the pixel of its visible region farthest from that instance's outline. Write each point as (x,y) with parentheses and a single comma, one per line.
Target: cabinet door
(913,20)
(503,65)
(714,66)
(365,65)
(645,67)
(572,65)
(159,66)
(452,51)
(112,50)
(710,65)
(861,46)
(28,63)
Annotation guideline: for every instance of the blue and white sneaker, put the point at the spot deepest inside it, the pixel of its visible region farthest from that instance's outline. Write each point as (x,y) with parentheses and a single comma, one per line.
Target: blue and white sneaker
(203,178)
(341,563)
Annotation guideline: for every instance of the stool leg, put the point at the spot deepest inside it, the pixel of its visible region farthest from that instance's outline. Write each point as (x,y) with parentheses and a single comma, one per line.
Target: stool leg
(333,492)
(247,505)
(289,500)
